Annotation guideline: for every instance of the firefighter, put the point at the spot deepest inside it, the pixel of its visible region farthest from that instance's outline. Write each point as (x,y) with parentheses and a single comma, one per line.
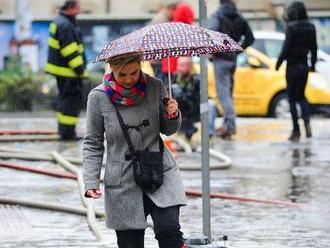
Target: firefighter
(66,61)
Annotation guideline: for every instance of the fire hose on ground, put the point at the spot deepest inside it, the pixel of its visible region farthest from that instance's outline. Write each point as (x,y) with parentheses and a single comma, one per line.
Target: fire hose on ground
(223,161)
(27,137)
(34,156)
(192,193)
(27,132)
(24,135)
(88,204)
(49,206)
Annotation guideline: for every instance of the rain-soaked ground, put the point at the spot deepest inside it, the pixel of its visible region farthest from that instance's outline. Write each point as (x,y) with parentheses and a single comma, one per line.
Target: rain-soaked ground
(265,166)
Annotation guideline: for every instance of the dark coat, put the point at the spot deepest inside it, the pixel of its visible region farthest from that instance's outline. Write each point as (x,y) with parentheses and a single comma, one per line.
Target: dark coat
(300,38)
(188,97)
(66,57)
(227,19)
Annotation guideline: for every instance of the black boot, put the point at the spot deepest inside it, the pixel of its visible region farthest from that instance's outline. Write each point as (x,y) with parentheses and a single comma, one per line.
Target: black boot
(67,132)
(295,136)
(308,130)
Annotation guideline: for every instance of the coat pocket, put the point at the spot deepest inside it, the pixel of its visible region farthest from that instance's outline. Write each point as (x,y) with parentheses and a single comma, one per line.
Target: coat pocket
(112,177)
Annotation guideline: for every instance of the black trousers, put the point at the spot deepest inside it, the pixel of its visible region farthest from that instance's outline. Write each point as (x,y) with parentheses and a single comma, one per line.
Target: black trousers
(68,105)
(296,77)
(166,228)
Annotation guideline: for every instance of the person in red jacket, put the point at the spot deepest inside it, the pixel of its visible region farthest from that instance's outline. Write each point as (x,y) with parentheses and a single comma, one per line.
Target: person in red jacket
(184,13)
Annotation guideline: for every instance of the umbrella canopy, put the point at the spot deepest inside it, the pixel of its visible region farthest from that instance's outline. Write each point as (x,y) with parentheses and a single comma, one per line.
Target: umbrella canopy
(169,40)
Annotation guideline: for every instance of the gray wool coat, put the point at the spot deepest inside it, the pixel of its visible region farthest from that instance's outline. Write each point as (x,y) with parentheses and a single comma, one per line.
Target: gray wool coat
(123,198)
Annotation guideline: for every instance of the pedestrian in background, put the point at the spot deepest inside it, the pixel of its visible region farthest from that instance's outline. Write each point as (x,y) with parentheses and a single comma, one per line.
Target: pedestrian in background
(66,61)
(227,19)
(186,90)
(182,12)
(164,14)
(139,99)
(300,39)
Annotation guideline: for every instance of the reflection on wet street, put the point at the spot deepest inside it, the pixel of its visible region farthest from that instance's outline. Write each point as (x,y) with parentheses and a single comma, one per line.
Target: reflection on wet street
(265,166)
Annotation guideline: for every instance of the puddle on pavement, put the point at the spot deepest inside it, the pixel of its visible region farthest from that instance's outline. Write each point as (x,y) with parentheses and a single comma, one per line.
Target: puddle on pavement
(267,169)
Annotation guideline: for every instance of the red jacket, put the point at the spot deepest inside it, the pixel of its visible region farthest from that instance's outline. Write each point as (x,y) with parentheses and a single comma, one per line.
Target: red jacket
(182,13)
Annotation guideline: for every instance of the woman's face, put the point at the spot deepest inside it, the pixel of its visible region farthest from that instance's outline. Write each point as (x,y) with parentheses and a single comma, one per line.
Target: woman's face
(127,75)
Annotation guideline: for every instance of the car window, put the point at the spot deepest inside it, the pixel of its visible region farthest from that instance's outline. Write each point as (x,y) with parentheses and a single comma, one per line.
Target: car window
(273,48)
(258,44)
(320,56)
(242,60)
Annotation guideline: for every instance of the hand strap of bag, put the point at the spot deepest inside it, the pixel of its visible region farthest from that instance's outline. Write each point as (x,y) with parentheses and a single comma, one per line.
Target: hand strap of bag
(126,135)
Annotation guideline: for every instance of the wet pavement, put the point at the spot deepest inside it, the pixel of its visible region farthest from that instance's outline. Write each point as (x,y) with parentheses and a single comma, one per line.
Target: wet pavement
(265,166)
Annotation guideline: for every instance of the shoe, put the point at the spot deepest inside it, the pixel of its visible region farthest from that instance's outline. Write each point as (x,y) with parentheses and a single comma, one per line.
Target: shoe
(225,133)
(308,131)
(295,136)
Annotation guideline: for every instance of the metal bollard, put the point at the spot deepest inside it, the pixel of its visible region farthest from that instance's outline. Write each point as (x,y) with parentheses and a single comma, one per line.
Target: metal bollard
(202,241)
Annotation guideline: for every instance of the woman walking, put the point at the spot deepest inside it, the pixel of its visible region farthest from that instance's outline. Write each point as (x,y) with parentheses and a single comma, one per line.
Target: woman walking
(130,108)
(300,39)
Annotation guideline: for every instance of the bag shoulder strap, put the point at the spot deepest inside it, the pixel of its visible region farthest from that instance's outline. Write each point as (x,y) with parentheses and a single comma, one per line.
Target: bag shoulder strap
(126,135)
(124,130)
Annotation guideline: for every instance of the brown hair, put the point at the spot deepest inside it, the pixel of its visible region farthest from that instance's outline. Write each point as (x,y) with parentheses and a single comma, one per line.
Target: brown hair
(124,59)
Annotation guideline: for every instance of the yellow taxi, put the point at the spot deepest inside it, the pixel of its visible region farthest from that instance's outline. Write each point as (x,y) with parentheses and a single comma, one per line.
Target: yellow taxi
(259,90)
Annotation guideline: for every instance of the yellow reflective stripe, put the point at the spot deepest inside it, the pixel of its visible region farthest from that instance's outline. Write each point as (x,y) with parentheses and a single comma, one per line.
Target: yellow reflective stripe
(66,119)
(53,43)
(69,49)
(81,48)
(52,28)
(59,70)
(77,61)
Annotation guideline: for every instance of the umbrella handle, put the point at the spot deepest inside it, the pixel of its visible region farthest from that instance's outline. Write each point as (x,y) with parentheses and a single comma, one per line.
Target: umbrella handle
(169,78)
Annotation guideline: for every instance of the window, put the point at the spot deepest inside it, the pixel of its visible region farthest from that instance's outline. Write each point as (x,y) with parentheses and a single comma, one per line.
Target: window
(258,44)
(242,60)
(270,47)
(273,48)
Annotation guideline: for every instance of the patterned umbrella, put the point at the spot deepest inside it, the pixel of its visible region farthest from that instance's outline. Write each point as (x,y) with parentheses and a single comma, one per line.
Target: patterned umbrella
(169,40)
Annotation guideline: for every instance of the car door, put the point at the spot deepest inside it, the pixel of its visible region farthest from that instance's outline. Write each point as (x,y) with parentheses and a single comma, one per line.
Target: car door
(252,86)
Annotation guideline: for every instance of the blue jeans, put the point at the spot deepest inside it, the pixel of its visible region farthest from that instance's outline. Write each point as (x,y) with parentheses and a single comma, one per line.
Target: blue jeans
(224,75)
(166,228)
(188,127)
(212,117)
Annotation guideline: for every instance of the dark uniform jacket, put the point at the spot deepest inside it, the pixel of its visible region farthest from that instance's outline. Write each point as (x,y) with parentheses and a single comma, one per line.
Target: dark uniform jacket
(187,95)
(228,20)
(65,49)
(300,38)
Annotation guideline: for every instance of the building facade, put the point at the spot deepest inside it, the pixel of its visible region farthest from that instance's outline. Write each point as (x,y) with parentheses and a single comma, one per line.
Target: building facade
(45,9)
(104,20)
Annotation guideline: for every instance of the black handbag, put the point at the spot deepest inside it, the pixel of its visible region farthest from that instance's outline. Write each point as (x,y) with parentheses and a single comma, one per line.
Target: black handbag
(147,165)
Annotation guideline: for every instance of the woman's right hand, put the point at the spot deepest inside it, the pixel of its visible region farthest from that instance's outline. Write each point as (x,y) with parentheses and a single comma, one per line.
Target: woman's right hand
(94,193)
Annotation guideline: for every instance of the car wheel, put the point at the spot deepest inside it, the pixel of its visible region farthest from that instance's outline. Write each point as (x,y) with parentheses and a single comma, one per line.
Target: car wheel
(280,107)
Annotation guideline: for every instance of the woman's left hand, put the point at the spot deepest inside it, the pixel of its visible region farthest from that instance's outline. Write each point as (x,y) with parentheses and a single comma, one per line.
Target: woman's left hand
(172,107)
